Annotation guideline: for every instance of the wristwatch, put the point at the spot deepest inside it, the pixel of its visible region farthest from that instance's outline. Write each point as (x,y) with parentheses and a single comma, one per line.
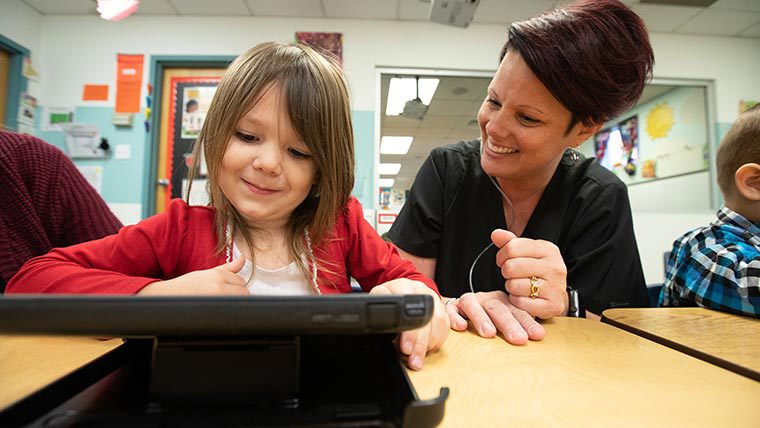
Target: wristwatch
(574,309)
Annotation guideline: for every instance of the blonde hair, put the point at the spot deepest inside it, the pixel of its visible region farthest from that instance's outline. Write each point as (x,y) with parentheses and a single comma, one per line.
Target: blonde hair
(740,146)
(317,100)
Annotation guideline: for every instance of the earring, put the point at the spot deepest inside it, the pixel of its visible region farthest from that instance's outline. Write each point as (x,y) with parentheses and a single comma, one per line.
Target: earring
(314,192)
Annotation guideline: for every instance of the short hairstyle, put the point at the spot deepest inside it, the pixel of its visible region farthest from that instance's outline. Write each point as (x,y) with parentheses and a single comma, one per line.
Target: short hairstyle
(740,146)
(190,103)
(316,97)
(594,56)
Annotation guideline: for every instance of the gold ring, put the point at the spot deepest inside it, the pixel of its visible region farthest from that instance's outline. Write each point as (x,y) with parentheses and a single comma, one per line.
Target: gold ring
(534,288)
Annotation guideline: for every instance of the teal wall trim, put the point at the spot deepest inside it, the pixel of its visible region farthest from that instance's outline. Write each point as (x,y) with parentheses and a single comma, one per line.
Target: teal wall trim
(364,135)
(157,66)
(122,179)
(16,81)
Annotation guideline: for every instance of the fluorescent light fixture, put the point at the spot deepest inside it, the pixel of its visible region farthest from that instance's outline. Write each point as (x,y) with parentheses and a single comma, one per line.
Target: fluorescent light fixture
(385,182)
(389,168)
(395,145)
(403,89)
(116,10)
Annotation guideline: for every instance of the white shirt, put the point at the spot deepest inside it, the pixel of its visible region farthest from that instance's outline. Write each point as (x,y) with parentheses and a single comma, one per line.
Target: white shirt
(284,281)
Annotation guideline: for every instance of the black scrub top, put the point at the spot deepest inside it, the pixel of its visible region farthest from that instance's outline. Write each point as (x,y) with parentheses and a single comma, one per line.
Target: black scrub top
(453,207)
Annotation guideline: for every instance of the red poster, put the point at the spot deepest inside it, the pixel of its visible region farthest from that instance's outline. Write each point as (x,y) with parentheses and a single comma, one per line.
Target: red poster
(129,73)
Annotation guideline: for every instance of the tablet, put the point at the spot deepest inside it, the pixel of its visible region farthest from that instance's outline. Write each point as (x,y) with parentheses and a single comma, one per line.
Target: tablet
(138,316)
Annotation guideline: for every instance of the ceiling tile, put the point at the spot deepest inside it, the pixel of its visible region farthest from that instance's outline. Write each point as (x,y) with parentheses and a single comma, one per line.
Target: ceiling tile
(432,132)
(449,107)
(58,7)
(664,19)
(745,5)
(292,8)
(155,7)
(361,9)
(719,22)
(439,122)
(507,11)
(462,88)
(211,8)
(753,31)
(414,10)
(399,123)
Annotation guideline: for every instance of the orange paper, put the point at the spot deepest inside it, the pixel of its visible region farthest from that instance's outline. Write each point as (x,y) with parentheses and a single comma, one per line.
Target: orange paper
(129,73)
(95,93)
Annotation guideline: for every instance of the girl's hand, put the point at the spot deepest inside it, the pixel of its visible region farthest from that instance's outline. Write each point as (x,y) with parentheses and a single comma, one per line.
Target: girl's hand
(221,280)
(415,343)
(535,274)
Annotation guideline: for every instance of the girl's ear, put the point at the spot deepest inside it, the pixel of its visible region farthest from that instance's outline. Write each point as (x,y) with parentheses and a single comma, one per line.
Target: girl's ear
(747,180)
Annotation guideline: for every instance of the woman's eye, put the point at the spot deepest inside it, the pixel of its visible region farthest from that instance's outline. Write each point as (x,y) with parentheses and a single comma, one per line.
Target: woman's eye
(529,120)
(246,138)
(299,154)
(493,103)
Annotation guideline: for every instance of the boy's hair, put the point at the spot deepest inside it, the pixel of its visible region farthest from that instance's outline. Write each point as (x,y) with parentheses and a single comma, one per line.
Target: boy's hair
(740,146)
(594,56)
(316,97)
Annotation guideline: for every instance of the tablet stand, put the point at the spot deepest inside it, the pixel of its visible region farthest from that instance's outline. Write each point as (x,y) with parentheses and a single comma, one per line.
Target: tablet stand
(225,370)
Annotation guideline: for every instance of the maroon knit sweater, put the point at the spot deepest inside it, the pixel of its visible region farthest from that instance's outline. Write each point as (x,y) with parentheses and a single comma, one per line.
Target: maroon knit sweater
(46,203)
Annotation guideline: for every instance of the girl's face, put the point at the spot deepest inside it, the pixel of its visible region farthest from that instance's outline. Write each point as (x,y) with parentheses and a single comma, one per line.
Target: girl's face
(522,125)
(267,171)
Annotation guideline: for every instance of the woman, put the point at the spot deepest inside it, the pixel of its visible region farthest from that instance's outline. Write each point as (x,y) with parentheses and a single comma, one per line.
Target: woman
(560,224)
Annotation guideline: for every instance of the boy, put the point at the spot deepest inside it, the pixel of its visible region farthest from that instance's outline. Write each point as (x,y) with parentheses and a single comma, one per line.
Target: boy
(718,266)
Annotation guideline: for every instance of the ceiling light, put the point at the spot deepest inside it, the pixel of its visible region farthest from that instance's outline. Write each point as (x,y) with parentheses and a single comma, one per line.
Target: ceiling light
(395,145)
(403,89)
(116,10)
(389,168)
(385,182)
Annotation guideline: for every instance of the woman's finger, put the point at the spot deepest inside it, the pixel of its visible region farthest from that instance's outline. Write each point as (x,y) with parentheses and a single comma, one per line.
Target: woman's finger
(472,309)
(455,319)
(523,286)
(535,330)
(505,322)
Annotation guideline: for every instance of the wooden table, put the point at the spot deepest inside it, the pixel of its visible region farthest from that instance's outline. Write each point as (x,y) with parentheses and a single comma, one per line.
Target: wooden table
(584,373)
(726,340)
(28,363)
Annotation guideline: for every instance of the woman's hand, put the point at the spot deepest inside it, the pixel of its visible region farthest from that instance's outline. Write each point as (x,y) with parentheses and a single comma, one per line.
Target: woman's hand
(221,280)
(535,274)
(491,312)
(415,343)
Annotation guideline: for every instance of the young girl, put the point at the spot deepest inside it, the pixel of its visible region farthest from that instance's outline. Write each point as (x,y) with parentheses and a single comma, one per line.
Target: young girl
(278,143)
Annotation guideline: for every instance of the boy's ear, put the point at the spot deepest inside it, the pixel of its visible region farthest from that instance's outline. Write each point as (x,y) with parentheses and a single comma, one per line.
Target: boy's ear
(583,132)
(747,179)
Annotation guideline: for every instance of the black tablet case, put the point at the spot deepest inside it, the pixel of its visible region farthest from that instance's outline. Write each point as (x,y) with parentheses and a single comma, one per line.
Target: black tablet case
(228,361)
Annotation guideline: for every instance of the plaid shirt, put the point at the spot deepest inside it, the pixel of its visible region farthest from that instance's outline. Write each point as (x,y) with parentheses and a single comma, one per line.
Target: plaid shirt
(716,267)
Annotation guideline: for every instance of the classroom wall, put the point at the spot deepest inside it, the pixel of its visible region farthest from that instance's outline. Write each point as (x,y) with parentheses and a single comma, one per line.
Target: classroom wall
(74,50)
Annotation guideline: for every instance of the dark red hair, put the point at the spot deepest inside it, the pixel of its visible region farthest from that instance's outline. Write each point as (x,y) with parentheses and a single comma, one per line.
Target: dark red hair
(594,56)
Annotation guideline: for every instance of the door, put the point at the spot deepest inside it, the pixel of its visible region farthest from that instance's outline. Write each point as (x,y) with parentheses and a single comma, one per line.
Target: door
(5,60)
(185,98)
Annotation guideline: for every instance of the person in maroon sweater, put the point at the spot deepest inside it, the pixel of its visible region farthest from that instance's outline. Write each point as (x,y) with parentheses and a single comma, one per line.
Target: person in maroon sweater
(279,149)
(46,203)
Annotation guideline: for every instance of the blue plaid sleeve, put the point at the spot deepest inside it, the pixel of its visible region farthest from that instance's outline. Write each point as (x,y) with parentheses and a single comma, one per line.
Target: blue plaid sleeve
(714,268)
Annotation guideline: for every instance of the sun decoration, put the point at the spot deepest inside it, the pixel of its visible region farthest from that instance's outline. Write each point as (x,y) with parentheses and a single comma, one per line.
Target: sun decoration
(660,120)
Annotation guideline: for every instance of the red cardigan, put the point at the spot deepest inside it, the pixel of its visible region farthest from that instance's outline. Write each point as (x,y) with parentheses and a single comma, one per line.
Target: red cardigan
(182,240)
